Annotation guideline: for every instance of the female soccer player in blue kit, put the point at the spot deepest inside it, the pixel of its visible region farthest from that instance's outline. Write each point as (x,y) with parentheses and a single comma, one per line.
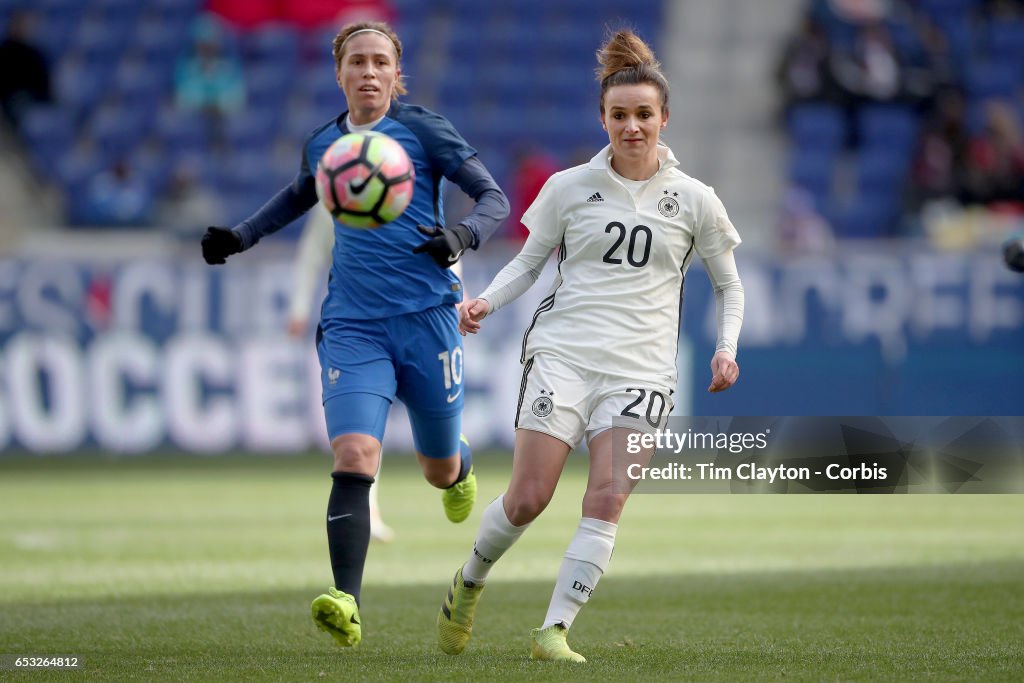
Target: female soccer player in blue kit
(388,326)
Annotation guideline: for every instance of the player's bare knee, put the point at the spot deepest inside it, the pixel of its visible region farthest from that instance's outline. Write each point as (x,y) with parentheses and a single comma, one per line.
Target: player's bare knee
(440,478)
(604,503)
(440,472)
(522,507)
(355,455)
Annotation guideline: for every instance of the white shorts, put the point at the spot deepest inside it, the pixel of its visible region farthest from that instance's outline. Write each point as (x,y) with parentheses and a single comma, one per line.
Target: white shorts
(568,403)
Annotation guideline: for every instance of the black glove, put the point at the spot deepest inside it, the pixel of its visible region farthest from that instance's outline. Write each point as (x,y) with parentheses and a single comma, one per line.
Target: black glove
(445,246)
(1013,253)
(219,243)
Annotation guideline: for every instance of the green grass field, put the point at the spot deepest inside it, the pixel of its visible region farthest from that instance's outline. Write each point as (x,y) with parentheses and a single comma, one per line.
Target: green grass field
(203,569)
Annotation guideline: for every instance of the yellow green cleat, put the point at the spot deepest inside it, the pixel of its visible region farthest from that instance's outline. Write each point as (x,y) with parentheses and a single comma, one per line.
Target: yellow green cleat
(548,645)
(337,613)
(459,498)
(455,620)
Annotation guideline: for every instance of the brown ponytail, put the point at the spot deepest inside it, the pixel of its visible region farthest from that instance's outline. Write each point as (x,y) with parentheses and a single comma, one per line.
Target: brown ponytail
(626,59)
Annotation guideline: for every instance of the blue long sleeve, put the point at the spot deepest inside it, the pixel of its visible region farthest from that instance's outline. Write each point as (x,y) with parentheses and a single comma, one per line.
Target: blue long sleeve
(491,207)
(283,208)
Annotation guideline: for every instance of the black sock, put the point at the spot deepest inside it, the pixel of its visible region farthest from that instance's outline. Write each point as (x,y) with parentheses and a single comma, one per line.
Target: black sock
(348,529)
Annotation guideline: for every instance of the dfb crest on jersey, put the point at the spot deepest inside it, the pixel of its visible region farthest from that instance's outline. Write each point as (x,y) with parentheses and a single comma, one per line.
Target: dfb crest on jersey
(668,206)
(543,406)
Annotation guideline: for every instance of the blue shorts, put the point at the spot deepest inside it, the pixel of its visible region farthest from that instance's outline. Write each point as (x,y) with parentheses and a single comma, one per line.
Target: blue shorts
(416,357)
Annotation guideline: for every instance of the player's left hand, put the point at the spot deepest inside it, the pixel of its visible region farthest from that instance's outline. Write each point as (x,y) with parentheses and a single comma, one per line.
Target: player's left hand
(445,246)
(724,372)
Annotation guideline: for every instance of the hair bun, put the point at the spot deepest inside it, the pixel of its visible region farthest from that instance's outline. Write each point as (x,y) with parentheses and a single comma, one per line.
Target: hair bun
(624,50)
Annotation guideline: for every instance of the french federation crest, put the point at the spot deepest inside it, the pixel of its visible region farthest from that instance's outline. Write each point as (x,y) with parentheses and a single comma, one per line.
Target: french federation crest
(668,207)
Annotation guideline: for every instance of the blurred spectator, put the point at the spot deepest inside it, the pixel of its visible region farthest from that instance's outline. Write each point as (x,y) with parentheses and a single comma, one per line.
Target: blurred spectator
(802,229)
(24,71)
(187,205)
(938,167)
(995,158)
(859,11)
(247,14)
(117,197)
(244,14)
(803,72)
(210,78)
(934,69)
(1003,10)
(311,13)
(532,169)
(872,70)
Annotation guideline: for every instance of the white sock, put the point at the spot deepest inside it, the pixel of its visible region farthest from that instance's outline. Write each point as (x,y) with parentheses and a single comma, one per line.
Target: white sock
(585,560)
(495,535)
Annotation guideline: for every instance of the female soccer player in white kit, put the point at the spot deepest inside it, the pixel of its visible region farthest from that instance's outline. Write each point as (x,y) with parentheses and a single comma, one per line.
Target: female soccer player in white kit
(603,343)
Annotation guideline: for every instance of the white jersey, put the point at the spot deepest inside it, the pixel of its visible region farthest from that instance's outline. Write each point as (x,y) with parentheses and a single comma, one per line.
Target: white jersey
(615,304)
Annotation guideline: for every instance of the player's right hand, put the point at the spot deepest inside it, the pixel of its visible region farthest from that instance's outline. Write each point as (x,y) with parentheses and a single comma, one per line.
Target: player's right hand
(724,372)
(470,315)
(297,327)
(219,243)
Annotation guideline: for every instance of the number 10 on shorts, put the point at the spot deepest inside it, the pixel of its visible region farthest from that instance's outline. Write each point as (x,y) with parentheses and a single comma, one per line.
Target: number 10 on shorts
(451,362)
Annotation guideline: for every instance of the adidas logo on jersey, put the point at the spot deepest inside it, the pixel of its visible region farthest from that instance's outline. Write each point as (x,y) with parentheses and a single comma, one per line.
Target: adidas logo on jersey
(596,197)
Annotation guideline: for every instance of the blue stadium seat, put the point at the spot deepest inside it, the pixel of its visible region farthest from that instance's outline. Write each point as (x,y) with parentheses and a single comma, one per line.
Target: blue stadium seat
(117,129)
(563,83)
(182,131)
(255,130)
(154,164)
(299,122)
(247,172)
(882,172)
(948,9)
(274,44)
(113,10)
(812,170)
(98,42)
(817,126)
(269,85)
(48,131)
(197,164)
(1005,41)
(906,37)
(142,84)
(318,85)
(158,41)
(315,46)
(460,113)
(842,34)
(58,6)
(992,79)
(55,32)
(79,86)
(863,218)
(78,165)
(887,126)
(505,85)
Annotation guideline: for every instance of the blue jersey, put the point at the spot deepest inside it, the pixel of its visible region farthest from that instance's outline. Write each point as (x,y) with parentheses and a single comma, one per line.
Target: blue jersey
(374,272)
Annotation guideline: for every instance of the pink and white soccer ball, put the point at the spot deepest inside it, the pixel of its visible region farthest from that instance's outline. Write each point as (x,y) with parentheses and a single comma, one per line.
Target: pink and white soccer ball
(365,180)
